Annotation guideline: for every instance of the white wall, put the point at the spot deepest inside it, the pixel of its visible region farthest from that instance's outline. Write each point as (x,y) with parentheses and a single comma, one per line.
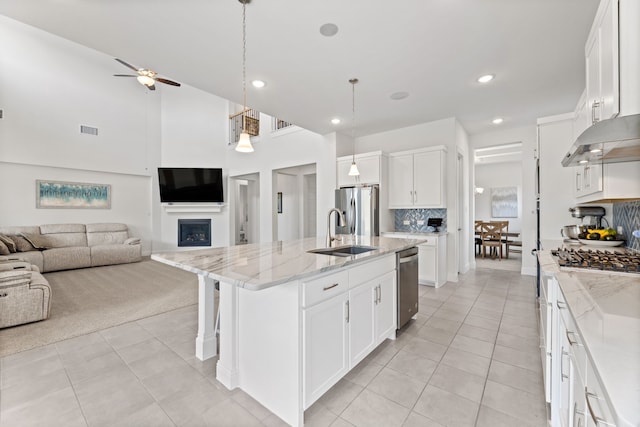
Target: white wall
(527,136)
(48,88)
(496,175)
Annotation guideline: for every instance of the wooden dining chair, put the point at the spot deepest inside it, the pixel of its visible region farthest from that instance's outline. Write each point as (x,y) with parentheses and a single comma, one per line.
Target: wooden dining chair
(491,235)
(504,229)
(478,233)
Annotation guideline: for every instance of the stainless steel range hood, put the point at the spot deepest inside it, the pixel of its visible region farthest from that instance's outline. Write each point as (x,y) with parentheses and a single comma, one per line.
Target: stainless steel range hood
(609,141)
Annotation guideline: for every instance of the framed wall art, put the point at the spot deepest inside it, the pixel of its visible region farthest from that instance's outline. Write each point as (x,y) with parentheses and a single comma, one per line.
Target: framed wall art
(73,195)
(504,202)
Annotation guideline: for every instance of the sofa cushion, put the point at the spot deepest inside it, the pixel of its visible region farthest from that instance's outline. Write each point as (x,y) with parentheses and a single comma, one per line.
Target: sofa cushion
(27,299)
(33,257)
(37,241)
(66,258)
(22,244)
(114,254)
(9,243)
(4,250)
(10,230)
(64,235)
(106,233)
(62,228)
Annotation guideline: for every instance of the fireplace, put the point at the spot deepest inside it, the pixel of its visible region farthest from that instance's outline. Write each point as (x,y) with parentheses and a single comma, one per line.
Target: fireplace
(194,232)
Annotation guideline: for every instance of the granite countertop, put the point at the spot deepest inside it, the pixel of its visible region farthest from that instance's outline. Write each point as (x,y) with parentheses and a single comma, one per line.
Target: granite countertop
(262,265)
(606,308)
(417,233)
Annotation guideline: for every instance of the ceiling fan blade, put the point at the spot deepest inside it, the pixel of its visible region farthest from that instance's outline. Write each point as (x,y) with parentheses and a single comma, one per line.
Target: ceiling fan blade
(152,87)
(124,75)
(126,65)
(169,82)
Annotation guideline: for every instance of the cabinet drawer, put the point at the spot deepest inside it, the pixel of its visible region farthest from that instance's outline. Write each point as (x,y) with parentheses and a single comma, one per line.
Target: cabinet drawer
(371,270)
(321,288)
(429,241)
(598,408)
(568,328)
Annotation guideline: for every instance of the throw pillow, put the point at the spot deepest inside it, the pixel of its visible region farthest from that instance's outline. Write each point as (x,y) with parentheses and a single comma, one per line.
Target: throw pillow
(4,250)
(22,244)
(38,241)
(8,242)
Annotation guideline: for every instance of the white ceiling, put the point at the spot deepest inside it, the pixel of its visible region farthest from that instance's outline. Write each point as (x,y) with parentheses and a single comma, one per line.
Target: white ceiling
(433,49)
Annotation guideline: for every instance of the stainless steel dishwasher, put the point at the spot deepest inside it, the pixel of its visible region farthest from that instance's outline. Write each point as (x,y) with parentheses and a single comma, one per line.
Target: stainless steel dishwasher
(407,271)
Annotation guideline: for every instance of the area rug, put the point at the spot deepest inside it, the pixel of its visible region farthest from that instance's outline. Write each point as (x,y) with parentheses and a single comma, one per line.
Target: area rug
(90,299)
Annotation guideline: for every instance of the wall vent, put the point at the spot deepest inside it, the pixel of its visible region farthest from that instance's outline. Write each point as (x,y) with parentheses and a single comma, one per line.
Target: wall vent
(88,130)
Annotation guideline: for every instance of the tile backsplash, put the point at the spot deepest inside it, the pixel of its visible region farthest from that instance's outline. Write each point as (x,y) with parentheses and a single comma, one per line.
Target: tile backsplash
(413,216)
(627,216)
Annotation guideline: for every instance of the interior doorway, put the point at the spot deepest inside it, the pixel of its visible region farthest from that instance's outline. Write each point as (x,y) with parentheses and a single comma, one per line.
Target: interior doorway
(497,193)
(294,190)
(245,216)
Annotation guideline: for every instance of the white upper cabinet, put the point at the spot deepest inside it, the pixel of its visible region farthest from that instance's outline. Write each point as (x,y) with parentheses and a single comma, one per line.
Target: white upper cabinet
(602,64)
(369,165)
(416,179)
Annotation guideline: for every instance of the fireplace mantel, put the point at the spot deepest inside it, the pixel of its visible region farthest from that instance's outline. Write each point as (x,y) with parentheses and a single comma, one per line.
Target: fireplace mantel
(192,207)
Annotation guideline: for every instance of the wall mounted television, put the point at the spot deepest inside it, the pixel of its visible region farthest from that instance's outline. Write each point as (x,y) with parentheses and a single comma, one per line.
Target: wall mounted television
(195,185)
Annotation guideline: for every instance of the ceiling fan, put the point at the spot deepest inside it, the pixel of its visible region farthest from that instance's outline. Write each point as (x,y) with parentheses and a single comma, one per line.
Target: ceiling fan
(146,77)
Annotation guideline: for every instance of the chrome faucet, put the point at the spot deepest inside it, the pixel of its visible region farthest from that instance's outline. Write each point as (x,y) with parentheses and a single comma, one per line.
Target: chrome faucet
(342,223)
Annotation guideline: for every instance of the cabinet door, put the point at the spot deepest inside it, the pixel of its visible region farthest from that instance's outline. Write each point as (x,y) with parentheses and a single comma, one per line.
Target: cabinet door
(361,321)
(369,168)
(342,168)
(581,120)
(565,380)
(427,180)
(593,78)
(325,346)
(609,65)
(401,181)
(427,264)
(591,179)
(386,307)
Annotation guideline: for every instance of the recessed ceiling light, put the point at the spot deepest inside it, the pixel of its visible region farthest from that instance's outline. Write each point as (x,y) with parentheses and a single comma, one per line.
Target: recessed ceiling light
(258,83)
(596,150)
(399,95)
(335,121)
(583,161)
(329,30)
(497,121)
(486,78)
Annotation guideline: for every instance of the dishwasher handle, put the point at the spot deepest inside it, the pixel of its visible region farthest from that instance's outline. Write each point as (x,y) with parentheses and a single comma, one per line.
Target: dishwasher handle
(408,259)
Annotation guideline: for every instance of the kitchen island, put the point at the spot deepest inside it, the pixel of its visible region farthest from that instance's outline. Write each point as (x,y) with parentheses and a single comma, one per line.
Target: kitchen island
(292,323)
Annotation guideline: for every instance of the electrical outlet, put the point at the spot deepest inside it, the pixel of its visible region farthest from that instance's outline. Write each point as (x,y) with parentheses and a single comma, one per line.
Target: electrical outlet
(420,222)
(406,222)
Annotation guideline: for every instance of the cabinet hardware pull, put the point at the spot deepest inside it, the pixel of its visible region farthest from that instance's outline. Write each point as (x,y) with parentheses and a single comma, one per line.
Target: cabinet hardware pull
(562,374)
(379,294)
(326,288)
(594,105)
(561,305)
(587,395)
(569,334)
(576,412)
(347,311)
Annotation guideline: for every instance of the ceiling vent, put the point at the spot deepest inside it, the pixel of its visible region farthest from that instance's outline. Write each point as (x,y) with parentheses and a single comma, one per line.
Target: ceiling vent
(88,130)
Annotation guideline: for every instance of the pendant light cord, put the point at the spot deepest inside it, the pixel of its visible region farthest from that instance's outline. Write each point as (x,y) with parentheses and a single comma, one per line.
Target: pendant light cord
(353,112)
(244,60)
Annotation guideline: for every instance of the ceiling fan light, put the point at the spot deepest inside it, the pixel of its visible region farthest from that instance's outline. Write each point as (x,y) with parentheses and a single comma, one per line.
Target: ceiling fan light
(244,143)
(146,80)
(353,171)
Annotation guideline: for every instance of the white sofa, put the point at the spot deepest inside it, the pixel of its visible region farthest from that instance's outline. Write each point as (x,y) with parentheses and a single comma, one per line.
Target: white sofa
(53,247)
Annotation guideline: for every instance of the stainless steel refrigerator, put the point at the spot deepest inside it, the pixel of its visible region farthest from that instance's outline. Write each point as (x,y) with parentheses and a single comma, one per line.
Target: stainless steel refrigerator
(360,206)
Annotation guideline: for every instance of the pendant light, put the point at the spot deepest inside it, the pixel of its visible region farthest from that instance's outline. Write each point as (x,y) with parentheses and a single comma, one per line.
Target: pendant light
(353,171)
(244,142)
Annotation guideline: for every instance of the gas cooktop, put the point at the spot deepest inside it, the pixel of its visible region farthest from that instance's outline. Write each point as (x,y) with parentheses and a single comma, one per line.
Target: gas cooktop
(620,261)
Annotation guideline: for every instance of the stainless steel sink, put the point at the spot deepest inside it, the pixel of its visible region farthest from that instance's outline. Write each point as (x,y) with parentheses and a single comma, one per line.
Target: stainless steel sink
(344,251)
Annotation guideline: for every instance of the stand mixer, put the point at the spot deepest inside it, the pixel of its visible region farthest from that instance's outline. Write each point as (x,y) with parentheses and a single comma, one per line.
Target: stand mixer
(595,212)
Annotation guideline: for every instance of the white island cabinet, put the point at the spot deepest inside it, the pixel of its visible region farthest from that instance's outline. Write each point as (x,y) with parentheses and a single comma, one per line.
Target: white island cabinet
(292,323)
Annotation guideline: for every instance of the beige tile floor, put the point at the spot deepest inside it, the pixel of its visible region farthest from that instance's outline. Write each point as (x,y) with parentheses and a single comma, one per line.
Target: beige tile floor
(470,359)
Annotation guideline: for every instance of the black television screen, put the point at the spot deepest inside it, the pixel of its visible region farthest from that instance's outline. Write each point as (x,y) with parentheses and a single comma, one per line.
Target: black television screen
(190,185)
